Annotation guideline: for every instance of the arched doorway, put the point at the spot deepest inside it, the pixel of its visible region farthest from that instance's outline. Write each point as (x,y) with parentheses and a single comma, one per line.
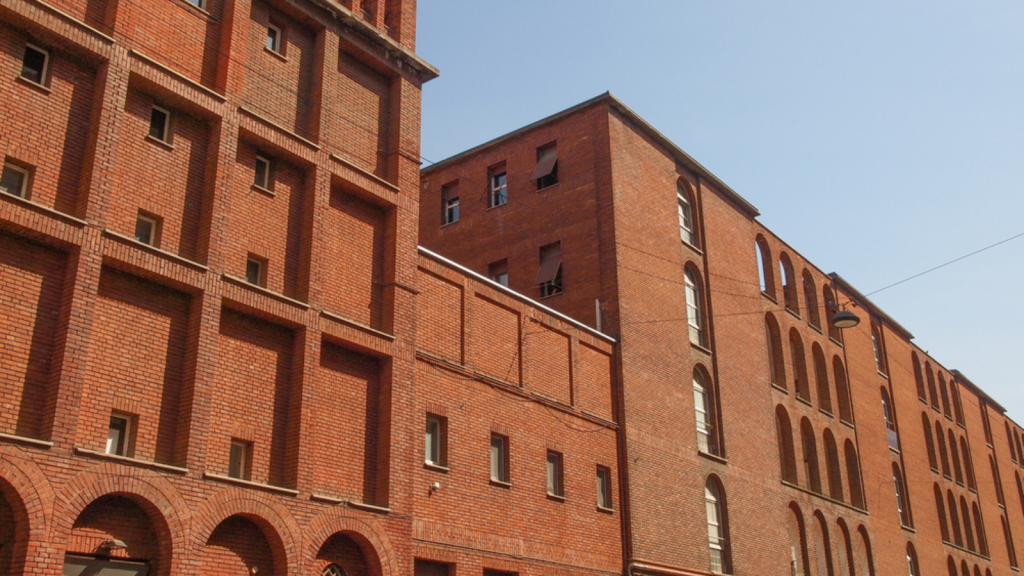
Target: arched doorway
(348,552)
(115,534)
(241,543)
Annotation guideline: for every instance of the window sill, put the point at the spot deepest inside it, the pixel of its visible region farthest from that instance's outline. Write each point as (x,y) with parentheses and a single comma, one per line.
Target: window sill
(803,400)
(972,490)
(712,457)
(447,224)
(793,313)
(815,328)
(26,440)
(551,295)
(850,424)
(196,9)
(368,507)
(500,483)
(555,497)
(276,54)
(962,425)
(769,296)
(130,460)
(505,203)
(960,483)
(701,347)
(691,247)
(263,190)
(923,400)
(948,417)
(894,450)
(34,85)
(436,467)
(266,291)
(604,510)
(250,484)
(156,250)
(934,469)
(883,374)
(909,529)
(836,342)
(160,142)
(780,388)
(548,187)
(826,413)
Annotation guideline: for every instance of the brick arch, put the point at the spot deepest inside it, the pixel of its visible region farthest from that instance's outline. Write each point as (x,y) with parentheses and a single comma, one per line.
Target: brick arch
(25,487)
(164,505)
(368,533)
(263,509)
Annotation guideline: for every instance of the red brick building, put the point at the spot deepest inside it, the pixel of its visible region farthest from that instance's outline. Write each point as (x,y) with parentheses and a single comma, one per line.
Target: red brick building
(755,437)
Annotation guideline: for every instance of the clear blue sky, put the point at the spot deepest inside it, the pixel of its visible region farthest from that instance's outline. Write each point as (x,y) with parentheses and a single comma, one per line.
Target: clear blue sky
(879,139)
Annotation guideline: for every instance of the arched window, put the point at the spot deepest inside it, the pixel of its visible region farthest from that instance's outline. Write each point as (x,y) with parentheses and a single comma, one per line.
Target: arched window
(822,547)
(810,448)
(940,508)
(797,541)
(842,392)
(831,309)
(879,346)
(932,394)
(787,454)
(965,570)
(918,378)
(714,499)
(954,519)
(821,379)
(811,296)
(1011,551)
(979,529)
(945,396)
(965,454)
(929,441)
(1020,491)
(844,559)
(965,513)
(775,358)
(694,307)
(801,384)
(333,570)
(835,475)
(977,571)
(853,476)
(764,266)
(704,401)
(913,569)
(998,481)
(1009,440)
(1016,439)
(954,455)
(943,455)
(902,504)
(788,283)
(868,568)
(958,410)
(890,422)
(951,566)
(686,229)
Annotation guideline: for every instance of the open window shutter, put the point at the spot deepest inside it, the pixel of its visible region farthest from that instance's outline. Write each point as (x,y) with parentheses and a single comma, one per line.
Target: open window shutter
(546,163)
(551,260)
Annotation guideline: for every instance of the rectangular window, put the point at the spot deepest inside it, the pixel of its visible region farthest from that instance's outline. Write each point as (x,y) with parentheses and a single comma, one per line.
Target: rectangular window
(255,271)
(879,347)
(546,173)
(604,488)
(435,451)
(549,277)
(499,459)
(160,124)
(556,485)
(118,434)
(14,180)
(498,272)
(498,187)
(261,178)
(273,38)
(201,4)
(239,460)
(147,229)
(35,64)
(449,203)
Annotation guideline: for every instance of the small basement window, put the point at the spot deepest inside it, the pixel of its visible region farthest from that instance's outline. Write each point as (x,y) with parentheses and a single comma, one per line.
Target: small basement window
(35,65)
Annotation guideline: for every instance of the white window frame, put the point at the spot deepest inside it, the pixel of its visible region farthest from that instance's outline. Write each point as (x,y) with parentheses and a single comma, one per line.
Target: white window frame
(702,410)
(201,4)
(451,210)
(555,474)
(276,47)
(261,271)
(685,218)
(243,458)
(434,441)
(124,439)
(167,124)
(498,192)
(25,176)
(46,64)
(154,227)
(499,459)
(716,535)
(693,311)
(265,184)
